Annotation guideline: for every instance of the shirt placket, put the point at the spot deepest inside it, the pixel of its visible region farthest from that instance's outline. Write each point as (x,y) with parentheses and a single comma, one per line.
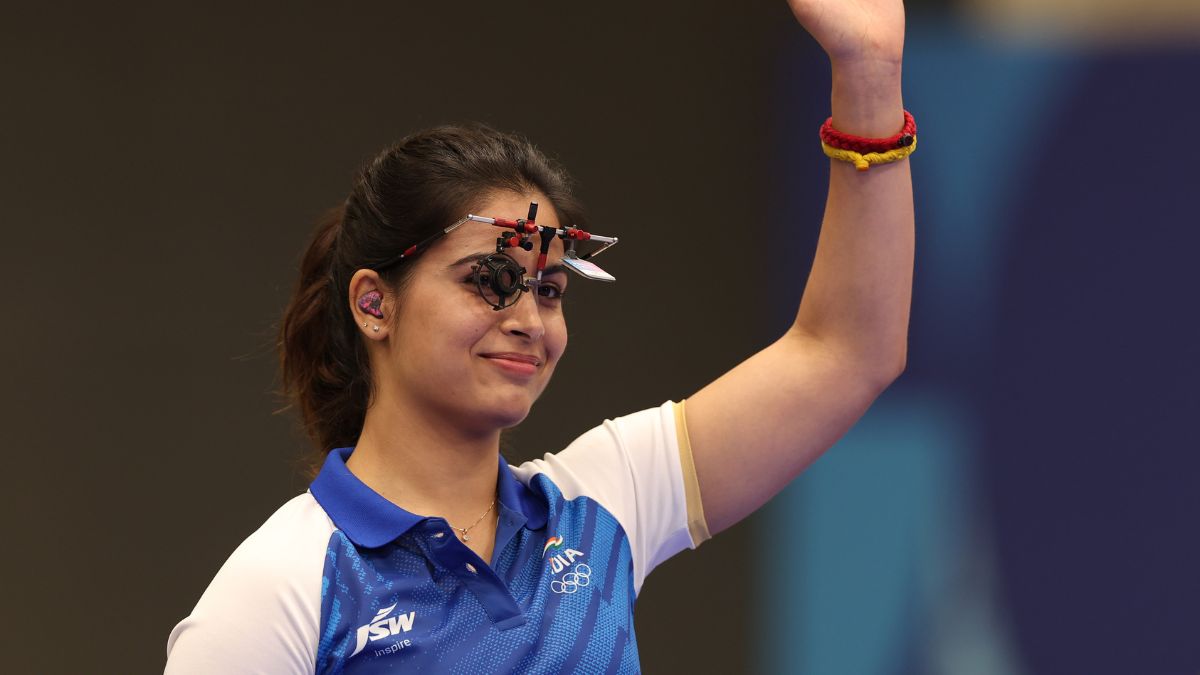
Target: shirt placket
(473,572)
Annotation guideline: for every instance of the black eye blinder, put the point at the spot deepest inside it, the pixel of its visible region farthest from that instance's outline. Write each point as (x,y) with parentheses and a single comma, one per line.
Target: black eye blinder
(500,280)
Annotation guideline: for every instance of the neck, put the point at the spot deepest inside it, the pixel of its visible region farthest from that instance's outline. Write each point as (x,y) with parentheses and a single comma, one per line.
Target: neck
(426,463)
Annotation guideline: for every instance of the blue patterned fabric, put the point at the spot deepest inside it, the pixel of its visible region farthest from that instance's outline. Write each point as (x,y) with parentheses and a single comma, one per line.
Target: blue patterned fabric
(398,591)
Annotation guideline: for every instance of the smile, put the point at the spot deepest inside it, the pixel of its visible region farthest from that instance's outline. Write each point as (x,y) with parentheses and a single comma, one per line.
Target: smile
(516,364)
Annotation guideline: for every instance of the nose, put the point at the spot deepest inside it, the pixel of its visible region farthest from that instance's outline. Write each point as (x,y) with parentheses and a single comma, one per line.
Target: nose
(524,319)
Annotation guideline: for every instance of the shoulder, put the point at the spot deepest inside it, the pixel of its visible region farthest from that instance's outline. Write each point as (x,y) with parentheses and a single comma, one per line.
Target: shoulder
(283,552)
(602,459)
(262,609)
(298,524)
(639,469)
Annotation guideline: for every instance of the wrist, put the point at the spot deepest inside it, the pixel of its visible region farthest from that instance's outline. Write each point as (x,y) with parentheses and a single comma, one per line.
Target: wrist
(878,64)
(866,98)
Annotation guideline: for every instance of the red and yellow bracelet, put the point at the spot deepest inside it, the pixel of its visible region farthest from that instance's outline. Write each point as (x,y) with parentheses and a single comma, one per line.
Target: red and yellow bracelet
(862,151)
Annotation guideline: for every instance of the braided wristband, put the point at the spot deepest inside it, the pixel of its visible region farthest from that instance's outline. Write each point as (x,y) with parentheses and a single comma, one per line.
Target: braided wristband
(863,161)
(863,151)
(861,144)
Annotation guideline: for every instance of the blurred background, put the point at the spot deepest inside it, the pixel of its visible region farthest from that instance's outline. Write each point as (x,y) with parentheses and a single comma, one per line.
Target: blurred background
(1023,500)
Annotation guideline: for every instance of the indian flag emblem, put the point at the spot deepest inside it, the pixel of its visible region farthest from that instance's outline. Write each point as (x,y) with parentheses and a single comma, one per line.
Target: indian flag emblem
(561,557)
(553,542)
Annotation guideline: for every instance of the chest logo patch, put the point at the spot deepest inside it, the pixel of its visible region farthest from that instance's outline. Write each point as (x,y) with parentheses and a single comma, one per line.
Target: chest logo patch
(562,559)
(384,626)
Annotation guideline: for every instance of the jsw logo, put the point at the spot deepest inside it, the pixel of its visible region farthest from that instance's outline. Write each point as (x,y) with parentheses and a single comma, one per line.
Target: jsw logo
(561,561)
(382,626)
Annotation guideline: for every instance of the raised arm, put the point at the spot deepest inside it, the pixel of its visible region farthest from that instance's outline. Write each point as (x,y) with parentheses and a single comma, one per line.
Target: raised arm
(758,426)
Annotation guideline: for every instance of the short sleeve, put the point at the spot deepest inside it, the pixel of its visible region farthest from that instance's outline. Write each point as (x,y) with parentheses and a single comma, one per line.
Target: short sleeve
(261,611)
(640,469)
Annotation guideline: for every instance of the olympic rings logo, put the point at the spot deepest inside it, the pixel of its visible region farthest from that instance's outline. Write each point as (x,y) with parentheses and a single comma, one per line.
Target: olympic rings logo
(579,577)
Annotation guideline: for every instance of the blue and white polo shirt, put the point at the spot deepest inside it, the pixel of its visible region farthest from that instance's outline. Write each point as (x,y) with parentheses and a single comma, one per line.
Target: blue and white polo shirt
(340,580)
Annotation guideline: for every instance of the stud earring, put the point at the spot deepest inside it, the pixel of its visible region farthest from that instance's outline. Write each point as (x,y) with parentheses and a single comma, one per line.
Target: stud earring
(364,324)
(375,328)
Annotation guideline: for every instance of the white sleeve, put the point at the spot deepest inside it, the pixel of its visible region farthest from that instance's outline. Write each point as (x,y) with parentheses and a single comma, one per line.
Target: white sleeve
(639,468)
(260,613)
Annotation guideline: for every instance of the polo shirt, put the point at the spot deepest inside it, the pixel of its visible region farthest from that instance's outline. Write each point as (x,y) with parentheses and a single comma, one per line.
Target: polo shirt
(341,580)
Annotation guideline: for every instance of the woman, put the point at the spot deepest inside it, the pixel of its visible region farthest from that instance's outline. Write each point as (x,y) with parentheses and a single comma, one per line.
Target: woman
(409,346)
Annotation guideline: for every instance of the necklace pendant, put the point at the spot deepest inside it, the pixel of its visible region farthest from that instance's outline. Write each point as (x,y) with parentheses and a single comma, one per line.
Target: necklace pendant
(466,537)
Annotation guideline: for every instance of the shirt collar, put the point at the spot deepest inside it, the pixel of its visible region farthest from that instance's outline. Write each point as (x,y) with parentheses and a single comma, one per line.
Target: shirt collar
(371,521)
(517,497)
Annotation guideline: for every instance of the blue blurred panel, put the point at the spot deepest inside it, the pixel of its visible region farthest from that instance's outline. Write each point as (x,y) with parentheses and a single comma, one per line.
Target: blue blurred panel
(981,108)
(889,563)
(861,546)
(1092,461)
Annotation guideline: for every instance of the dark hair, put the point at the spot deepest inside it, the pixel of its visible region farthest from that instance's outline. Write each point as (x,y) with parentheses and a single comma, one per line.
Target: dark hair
(408,192)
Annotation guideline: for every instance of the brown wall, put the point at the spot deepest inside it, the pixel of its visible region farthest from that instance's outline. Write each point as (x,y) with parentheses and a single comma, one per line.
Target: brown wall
(162,169)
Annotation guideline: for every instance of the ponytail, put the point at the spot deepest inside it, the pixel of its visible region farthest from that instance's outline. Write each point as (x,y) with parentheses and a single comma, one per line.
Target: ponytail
(324,365)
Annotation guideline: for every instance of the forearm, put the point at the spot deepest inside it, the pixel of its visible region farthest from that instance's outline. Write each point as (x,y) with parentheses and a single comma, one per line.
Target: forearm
(858,294)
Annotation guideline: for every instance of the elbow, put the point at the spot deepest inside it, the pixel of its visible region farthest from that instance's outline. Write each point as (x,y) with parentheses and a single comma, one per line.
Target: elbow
(876,365)
(885,371)
(896,367)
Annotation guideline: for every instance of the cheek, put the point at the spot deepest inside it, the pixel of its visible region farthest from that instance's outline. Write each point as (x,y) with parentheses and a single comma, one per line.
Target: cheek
(458,317)
(555,337)
(441,330)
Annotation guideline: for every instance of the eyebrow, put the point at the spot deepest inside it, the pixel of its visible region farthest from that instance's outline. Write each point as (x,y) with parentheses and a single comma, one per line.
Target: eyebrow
(476,257)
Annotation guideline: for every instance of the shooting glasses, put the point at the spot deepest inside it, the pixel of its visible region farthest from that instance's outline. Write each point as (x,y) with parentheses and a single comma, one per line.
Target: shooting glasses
(500,278)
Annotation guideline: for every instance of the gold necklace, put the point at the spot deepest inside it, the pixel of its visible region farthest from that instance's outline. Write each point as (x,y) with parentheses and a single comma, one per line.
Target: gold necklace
(462,531)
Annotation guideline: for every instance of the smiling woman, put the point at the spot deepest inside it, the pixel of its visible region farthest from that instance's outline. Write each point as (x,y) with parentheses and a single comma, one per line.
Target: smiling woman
(407,194)
(408,348)
(446,353)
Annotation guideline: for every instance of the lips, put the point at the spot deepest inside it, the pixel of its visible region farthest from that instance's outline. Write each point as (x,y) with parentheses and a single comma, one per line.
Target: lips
(513,356)
(515,363)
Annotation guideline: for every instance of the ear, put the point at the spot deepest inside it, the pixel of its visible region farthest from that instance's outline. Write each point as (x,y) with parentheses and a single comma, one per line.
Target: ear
(371,304)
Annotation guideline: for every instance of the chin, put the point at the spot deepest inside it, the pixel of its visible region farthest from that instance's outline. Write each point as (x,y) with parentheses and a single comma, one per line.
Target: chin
(505,404)
(510,417)
(504,409)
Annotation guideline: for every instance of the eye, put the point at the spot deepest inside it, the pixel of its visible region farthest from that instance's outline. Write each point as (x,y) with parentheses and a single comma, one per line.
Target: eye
(484,277)
(550,291)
